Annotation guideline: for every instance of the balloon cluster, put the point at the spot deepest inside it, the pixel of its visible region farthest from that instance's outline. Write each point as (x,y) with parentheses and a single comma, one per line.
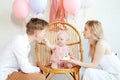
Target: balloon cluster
(21,8)
(72,6)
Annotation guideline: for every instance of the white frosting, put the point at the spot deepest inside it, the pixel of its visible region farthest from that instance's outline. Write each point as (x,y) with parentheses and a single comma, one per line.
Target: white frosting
(66,58)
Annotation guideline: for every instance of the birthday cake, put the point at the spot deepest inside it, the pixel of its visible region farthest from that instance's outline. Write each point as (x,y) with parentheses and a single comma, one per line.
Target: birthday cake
(66,58)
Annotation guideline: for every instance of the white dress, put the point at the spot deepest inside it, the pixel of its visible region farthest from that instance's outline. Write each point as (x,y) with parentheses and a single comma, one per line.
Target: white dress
(108,69)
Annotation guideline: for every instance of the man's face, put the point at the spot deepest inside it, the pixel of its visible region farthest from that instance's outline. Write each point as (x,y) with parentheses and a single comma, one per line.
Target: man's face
(40,35)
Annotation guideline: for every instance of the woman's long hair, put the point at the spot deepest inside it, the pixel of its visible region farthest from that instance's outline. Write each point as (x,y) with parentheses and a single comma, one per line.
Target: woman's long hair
(97,33)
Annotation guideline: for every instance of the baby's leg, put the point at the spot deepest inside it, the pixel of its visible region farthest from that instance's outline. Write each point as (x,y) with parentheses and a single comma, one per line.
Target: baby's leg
(68,65)
(54,66)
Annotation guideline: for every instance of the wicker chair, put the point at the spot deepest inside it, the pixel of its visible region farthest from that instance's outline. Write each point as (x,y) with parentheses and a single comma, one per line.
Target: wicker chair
(43,53)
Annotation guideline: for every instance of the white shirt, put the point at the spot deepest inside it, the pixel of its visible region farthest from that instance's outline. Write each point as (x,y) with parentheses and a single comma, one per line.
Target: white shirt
(15,57)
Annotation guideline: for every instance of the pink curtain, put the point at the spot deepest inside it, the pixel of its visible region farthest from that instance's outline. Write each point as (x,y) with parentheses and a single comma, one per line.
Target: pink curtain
(57,11)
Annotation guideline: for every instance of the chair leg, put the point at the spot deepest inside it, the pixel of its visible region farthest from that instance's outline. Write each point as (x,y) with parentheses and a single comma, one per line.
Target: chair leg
(68,76)
(78,75)
(47,75)
(51,76)
(75,76)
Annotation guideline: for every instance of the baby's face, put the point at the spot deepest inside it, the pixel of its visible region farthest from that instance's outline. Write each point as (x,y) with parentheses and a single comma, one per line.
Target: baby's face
(61,39)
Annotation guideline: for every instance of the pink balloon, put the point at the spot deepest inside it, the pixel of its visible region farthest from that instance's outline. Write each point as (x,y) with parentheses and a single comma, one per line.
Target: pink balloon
(71,6)
(21,8)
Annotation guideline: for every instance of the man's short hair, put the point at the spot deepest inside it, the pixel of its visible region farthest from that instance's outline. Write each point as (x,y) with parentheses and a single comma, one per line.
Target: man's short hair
(35,24)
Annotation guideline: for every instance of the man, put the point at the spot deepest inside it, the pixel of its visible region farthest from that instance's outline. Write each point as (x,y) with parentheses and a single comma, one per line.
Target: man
(14,62)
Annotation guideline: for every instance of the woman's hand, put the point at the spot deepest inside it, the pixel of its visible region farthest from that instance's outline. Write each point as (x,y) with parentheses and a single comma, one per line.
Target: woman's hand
(73,57)
(74,61)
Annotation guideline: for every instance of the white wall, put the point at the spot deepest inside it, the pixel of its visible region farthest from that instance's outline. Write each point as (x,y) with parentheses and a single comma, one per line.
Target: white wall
(106,11)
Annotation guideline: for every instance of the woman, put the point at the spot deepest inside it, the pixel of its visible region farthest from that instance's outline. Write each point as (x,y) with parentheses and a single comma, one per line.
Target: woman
(104,63)
(14,62)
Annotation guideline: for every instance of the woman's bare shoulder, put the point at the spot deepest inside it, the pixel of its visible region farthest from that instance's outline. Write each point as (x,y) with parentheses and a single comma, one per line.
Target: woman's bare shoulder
(102,42)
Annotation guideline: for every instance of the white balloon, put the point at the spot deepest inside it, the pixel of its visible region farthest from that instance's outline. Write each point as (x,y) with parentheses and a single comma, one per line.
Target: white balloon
(86,3)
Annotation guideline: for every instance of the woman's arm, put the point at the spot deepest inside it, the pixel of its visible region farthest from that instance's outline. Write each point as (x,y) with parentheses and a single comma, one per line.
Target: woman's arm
(99,52)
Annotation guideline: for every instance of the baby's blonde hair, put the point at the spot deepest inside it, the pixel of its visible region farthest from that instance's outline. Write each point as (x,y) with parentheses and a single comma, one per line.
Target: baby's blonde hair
(64,33)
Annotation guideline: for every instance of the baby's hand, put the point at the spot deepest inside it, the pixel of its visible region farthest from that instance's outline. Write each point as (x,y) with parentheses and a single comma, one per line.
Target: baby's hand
(45,40)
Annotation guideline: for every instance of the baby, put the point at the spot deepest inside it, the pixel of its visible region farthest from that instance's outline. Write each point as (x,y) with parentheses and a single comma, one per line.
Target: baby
(60,51)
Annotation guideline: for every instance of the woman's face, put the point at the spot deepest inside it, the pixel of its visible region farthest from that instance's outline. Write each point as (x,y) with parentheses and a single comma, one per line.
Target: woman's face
(87,32)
